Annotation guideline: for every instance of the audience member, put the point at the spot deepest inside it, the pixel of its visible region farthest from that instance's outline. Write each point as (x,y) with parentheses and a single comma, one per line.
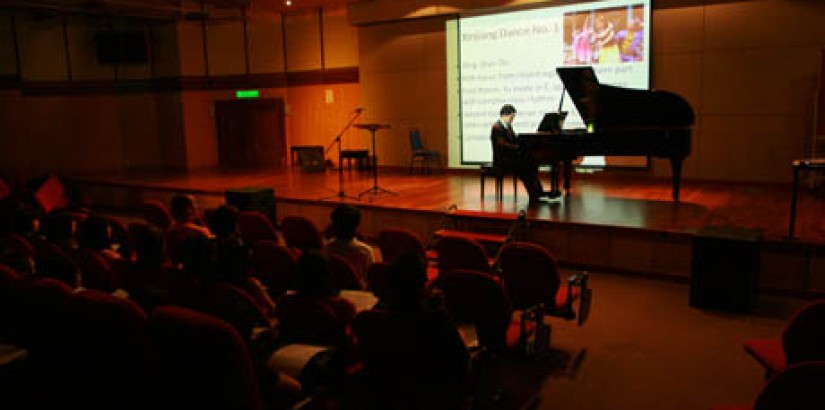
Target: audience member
(412,351)
(232,266)
(223,222)
(149,273)
(345,220)
(315,314)
(59,228)
(185,213)
(96,235)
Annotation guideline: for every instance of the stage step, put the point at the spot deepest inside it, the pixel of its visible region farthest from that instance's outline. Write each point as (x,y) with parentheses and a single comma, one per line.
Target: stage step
(506,216)
(487,238)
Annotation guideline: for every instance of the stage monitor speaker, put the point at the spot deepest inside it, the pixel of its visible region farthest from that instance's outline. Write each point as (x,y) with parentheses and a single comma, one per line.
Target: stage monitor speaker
(725,268)
(260,199)
(312,159)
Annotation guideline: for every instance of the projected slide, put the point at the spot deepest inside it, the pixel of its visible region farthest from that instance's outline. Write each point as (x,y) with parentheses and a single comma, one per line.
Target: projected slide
(512,58)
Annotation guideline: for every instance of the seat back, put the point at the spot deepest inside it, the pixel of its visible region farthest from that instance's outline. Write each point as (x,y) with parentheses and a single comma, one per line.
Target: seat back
(94,270)
(21,245)
(156,213)
(301,233)
(8,275)
(275,265)
(804,338)
(234,305)
(798,387)
(461,253)
(314,321)
(29,311)
(396,242)
(200,362)
(530,274)
(176,240)
(254,226)
(106,350)
(415,140)
(344,273)
(463,289)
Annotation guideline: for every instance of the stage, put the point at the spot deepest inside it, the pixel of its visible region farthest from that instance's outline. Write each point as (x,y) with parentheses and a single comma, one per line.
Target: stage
(626,223)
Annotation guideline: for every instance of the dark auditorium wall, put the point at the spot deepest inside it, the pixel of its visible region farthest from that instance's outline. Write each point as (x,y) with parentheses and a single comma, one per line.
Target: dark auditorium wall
(748,68)
(63,111)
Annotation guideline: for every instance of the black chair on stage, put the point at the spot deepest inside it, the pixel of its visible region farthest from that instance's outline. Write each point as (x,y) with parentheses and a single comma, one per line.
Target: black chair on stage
(421,153)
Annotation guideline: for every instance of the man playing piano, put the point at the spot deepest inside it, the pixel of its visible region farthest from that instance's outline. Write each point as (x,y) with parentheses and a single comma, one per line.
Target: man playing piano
(507,155)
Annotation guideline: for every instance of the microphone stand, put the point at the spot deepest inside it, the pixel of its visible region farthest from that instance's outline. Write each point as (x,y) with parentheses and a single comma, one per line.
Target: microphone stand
(337,140)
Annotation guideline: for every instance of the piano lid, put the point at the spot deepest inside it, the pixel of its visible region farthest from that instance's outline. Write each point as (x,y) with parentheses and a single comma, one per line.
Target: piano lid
(610,107)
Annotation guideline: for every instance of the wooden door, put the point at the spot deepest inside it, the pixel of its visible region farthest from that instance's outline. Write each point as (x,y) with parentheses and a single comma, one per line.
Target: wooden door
(250,134)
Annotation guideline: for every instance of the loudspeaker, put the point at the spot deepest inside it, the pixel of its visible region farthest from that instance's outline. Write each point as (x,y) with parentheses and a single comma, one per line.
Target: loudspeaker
(725,268)
(312,159)
(253,199)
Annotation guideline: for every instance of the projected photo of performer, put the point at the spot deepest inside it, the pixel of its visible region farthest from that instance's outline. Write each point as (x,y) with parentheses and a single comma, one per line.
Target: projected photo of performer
(606,36)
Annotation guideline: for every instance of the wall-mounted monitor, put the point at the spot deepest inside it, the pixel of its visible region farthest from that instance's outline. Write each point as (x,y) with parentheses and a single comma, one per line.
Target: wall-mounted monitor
(121,47)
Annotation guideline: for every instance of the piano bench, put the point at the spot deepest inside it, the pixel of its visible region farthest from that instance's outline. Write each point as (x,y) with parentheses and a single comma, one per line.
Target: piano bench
(498,173)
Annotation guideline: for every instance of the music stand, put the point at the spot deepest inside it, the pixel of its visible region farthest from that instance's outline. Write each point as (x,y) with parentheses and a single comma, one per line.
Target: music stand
(375,190)
(337,140)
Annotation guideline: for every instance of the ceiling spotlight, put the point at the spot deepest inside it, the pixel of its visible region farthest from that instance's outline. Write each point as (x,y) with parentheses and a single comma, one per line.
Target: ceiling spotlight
(288,2)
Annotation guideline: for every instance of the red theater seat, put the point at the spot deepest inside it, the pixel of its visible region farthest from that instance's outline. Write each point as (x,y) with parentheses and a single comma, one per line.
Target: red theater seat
(802,340)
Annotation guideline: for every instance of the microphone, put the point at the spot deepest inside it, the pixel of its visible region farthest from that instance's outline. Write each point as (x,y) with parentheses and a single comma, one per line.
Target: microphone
(359,110)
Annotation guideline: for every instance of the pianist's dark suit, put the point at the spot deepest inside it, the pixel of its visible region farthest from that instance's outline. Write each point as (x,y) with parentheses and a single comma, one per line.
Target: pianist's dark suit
(506,154)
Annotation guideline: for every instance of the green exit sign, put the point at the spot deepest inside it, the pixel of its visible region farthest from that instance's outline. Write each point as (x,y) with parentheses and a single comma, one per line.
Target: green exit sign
(247,94)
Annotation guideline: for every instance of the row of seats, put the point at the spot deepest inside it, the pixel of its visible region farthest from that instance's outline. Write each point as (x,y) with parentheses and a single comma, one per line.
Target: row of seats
(794,363)
(93,350)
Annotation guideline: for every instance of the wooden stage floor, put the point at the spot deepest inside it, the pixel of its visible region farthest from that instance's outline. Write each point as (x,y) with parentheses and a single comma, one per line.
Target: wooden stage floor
(597,199)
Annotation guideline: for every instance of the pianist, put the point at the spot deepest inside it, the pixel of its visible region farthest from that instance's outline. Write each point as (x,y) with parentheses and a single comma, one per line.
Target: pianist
(506,155)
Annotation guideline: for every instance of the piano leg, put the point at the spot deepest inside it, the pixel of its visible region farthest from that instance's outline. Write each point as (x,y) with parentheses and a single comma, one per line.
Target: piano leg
(568,174)
(554,176)
(676,175)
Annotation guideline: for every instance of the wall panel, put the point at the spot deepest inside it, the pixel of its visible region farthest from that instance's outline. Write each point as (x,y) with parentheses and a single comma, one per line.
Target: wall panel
(340,39)
(8,59)
(303,41)
(225,41)
(42,49)
(266,43)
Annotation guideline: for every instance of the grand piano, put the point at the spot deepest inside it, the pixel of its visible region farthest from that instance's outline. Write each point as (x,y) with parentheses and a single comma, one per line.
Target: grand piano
(621,122)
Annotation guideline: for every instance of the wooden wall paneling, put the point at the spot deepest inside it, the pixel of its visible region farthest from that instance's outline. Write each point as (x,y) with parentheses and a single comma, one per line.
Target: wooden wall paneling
(166,57)
(42,52)
(139,124)
(8,53)
(191,49)
(314,121)
(403,77)
(340,39)
(171,139)
(302,40)
(266,43)
(225,42)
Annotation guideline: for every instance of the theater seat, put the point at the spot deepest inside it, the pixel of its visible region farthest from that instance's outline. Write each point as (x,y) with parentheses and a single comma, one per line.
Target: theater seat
(200,362)
(492,319)
(802,340)
(798,387)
